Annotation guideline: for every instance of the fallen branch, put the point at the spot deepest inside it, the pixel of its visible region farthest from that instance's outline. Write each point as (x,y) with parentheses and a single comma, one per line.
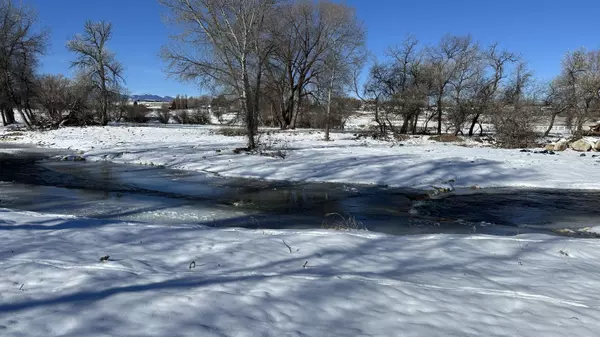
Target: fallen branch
(290,248)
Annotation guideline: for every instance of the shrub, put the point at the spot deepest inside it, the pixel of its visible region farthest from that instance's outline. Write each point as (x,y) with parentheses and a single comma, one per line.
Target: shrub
(446,138)
(515,129)
(199,117)
(164,114)
(232,132)
(136,114)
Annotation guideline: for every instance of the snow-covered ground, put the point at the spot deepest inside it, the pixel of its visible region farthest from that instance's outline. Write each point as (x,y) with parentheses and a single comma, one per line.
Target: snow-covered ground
(416,163)
(230,282)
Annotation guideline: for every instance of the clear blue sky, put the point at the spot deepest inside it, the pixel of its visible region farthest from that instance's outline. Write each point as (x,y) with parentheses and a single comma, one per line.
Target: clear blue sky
(541,31)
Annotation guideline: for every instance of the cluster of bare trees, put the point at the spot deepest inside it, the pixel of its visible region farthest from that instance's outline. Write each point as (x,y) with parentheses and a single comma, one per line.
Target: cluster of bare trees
(20,48)
(275,56)
(93,97)
(457,83)
(293,64)
(575,93)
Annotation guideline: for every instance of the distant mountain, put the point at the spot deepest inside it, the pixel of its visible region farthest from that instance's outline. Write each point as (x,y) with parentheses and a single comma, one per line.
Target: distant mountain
(151,98)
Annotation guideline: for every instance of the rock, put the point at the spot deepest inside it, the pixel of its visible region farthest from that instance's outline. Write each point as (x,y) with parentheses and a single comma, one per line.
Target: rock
(582,155)
(549,147)
(597,146)
(561,145)
(581,145)
(73,158)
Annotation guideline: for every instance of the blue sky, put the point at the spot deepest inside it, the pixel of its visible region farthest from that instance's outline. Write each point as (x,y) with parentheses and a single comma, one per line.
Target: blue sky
(541,31)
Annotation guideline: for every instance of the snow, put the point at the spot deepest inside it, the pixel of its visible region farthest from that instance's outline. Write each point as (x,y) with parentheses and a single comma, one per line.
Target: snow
(193,280)
(416,163)
(248,283)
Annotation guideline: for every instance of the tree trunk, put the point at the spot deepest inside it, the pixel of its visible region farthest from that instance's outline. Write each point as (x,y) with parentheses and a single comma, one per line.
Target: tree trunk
(104,113)
(405,123)
(378,119)
(10,115)
(27,123)
(296,112)
(3,118)
(415,122)
(439,115)
(328,114)
(551,124)
(473,123)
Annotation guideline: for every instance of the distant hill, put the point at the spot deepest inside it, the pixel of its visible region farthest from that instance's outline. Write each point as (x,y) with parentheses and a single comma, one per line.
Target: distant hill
(151,98)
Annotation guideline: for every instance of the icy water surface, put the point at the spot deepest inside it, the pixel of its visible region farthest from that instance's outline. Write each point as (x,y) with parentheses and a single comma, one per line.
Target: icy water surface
(35,180)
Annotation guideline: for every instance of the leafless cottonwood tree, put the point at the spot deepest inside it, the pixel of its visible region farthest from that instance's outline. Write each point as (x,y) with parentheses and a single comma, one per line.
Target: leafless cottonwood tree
(20,47)
(53,96)
(373,94)
(402,86)
(447,59)
(224,43)
(346,41)
(97,63)
(463,87)
(556,101)
(579,82)
(518,110)
(416,79)
(489,83)
(308,38)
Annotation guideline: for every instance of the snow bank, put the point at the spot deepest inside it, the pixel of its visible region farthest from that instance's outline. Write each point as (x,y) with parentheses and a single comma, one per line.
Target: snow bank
(195,281)
(419,163)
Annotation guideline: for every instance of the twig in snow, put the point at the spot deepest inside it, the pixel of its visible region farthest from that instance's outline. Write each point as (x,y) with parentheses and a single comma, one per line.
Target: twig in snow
(104,258)
(290,248)
(21,287)
(305,264)
(193,265)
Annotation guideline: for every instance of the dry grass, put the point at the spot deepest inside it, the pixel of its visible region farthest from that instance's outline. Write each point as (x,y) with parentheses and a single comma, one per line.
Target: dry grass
(446,139)
(341,223)
(231,132)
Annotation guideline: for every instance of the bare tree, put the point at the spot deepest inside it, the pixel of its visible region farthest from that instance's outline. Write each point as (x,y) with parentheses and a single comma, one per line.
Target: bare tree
(223,43)
(463,87)
(304,34)
(373,93)
(580,83)
(445,59)
(518,110)
(53,96)
(405,83)
(98,63)
(345,40)
(556,101)
(21,47)
(489,82)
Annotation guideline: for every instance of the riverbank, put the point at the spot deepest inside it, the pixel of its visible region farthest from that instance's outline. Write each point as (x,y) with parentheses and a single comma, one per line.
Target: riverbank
(225,282)
(302,156)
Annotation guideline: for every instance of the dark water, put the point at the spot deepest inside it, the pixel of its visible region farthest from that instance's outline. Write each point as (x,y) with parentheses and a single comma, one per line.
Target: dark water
(36,180)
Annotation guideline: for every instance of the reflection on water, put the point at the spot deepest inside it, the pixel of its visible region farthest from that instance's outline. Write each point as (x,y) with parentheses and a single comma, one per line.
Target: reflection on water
(151,194)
